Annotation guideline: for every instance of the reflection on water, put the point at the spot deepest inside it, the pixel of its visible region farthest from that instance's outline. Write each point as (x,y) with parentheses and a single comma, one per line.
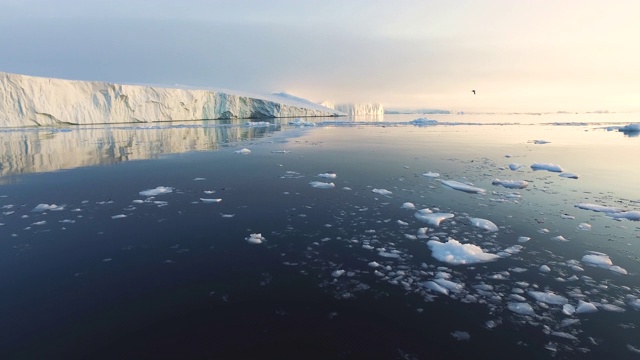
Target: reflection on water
(42,150)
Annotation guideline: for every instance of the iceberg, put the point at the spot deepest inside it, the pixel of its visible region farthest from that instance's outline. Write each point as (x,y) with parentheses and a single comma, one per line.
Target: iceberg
(455,253)
(373,110)
(37,101)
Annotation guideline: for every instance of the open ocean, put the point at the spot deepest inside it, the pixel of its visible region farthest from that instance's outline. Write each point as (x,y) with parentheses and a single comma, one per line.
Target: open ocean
(320,239)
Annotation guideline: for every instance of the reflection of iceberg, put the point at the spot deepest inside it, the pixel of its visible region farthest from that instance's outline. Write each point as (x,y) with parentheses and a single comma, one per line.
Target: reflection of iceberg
(41,150)
(34,101)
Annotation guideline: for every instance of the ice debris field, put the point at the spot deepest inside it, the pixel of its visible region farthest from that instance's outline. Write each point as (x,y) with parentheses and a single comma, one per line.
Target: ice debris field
(473,259)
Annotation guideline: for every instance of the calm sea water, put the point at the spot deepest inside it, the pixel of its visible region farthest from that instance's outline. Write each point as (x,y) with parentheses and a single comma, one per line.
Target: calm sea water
(109,272)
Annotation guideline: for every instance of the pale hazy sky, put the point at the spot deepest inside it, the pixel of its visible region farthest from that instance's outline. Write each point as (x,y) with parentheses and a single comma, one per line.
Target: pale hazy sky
(519,55)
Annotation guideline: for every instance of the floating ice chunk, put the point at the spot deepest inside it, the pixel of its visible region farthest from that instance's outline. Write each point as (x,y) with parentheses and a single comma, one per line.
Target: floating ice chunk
(45,207)
(483,224)
(40,223)
(433,219)
(559,238)
(199,179)
(157,191)
(515,166)
(540,142)
(461,335)
(449,285)
(389,254)
(603,261)
(635,304)
(367,247)
(227,215)
(569,175)
(544,268)
(547,167)
(629,346)
(612,308)
(255,239)
(337,273)
(210,200)
(435,287)
(119,216)
(568,309)
(383,192)
(462,187)
(374,264)
(408,205)
(629,215)
(597,208)
(511,184)
(584,226)
(548,297)
(402,223)
(423,122)
(564,335)
(521,308)
(585,307)
(455,253)
(328,175)
(301,122)
(517,297)
(322,185)
(431,174)
(523,239)
(243,151)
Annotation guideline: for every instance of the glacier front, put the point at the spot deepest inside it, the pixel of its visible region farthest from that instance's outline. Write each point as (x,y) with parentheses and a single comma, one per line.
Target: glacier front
(36,101)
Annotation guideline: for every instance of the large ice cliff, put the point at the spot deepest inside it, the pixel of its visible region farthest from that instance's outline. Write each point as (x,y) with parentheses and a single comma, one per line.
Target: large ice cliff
(356,110)
(35,101)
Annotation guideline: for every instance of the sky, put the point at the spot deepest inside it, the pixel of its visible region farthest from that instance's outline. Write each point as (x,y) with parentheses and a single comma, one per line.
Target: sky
(519,55)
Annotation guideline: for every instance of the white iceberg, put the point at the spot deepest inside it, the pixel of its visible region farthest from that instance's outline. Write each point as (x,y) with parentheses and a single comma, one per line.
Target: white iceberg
(456,185)
(322,185)
(511,184)
(455,253)
(255,239)
(383,192)
(547,167)
(483,224)
(157,191)
(431,218)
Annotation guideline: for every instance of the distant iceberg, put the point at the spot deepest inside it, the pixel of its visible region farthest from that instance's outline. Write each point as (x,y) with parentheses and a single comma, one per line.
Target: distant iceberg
(36,101)
(374,110)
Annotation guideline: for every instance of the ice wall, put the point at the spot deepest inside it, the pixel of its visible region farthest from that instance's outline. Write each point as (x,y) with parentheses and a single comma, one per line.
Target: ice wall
(358,109)
(35,101)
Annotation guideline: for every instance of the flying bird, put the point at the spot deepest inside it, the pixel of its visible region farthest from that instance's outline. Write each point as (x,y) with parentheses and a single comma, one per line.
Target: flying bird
(473,91)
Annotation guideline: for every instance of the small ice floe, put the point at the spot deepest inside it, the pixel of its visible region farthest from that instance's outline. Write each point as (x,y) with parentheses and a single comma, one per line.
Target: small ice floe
(515,166)
(374,264)
(544,268)
(569,175)
(630,129)
(548,297)
(243,151)
(210,201)
(431,218)
(461,335)
(521,308)
(449,285)
(568,309)
(383,192)
(337,273)
(423,122)
(322,185)
(157,191)
(564,335)
(635,304)
(602,260)
(386,254)
(511,184)
(119,216)
(547,167)
(455,253)
(433,286)
(483,224)
(584,226)
(209,192)
(585,307)
(431,174)
(511,250)
(402,223)
(597,208)
(280,151)
(559,238)
(456,185)
(255,239)
(629,215)
(227,215)
(45,207)
(408,206)
(199,179)
(40,223)
(612,308)
(328,175)
(631,347)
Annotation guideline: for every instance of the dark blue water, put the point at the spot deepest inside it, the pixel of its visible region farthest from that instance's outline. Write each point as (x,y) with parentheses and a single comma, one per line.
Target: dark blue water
(175,278)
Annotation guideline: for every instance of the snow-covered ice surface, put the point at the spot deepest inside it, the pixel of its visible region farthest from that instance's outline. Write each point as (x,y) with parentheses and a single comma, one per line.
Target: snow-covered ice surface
(383,251)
